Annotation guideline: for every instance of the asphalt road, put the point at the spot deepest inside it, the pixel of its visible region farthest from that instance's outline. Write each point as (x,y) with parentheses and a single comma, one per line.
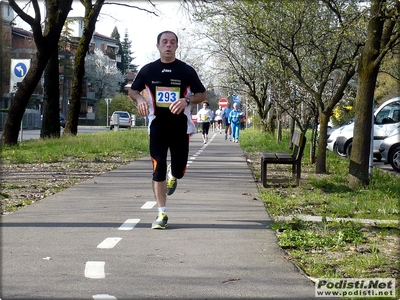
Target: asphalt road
(28,134)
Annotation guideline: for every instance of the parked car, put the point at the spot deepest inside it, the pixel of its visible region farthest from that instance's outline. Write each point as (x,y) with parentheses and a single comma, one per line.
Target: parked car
(125,120)
(386,119)
(333,133)
(390,150)
(63,120)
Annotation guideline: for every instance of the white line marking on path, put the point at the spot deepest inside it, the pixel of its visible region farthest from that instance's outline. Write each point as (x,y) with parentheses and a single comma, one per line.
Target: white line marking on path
(149,205)
(103,297)
(109,243)
(95,269)
(129,224)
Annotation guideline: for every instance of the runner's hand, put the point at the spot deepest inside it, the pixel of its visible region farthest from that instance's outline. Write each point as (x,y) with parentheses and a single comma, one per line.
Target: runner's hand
(178,106)
(143,108)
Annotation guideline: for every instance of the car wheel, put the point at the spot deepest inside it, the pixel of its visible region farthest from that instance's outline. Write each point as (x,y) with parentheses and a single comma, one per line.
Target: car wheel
(394,159)
(335,149)
(348,149)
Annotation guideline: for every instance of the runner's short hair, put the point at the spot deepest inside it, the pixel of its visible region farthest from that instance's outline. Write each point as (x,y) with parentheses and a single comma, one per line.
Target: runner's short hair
(166,31)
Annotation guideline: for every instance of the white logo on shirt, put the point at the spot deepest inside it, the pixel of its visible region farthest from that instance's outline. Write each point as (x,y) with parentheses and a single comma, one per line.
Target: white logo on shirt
(166,71)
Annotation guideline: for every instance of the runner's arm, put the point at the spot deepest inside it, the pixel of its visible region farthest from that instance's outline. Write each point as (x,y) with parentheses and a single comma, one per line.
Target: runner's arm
(142,104)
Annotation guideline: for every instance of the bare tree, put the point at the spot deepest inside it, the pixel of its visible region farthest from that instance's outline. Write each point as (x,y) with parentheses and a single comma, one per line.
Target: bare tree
(92,12)
(46,41)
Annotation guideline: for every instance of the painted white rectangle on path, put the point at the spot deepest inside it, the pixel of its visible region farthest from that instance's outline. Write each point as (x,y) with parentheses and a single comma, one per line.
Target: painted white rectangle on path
(109,243)
(103,297)
(129,224)
(149,205)
(95,269)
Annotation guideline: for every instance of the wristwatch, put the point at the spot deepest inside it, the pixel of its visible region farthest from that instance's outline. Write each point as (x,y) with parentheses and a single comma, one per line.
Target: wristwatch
(187,99)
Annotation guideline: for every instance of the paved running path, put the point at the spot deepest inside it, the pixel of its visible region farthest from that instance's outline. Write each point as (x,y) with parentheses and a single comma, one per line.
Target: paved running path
(93,240)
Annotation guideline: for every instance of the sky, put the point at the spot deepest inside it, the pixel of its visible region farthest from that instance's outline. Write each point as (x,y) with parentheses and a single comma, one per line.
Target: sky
(142,26)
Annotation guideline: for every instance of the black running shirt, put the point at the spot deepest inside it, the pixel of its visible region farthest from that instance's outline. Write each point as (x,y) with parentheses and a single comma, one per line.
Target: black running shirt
(166,83)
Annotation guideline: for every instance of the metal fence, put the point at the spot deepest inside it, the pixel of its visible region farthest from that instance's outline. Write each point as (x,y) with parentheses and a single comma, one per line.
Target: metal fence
(30,120)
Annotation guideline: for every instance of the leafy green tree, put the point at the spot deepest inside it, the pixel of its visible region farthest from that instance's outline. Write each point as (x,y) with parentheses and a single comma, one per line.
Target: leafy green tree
(383,34)
(388,81)
(120,64)
(119,102)
(307,47)
(125,54)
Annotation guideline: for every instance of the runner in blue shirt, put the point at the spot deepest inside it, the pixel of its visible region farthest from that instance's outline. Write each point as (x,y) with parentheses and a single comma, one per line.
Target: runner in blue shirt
(234,117)
(225,117)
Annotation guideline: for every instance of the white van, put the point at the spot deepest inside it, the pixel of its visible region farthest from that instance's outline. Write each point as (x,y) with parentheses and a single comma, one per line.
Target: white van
(387,119)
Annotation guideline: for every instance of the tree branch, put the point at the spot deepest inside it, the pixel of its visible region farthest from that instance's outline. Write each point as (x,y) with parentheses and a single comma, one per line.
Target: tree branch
(133,6)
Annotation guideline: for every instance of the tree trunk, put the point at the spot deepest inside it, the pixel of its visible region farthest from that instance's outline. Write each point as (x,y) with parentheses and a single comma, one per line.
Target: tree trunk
(51,105)
(91,14)
(320,166)
(56,13)
(314,137)
(279,123)
(21,98)
(291,130)
(367,74)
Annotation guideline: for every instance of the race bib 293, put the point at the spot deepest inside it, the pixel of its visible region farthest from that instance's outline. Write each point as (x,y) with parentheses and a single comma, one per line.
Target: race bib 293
(165,96)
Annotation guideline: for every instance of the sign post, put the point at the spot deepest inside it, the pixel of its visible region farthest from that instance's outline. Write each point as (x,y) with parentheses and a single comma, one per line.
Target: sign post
(19,68)
(108,101)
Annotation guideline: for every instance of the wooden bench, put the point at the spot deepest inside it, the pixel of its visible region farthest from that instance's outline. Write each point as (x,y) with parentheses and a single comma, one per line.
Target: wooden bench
(294,159)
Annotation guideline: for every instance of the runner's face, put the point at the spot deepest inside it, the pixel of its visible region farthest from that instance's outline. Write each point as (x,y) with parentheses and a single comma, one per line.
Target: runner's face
(167,47)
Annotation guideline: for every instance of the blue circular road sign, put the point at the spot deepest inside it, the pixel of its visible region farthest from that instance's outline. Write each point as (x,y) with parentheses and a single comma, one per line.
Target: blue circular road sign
(20,69)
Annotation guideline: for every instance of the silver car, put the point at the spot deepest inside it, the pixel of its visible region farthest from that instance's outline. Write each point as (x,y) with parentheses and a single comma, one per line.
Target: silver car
(386,119)
(390,150)
(124,120)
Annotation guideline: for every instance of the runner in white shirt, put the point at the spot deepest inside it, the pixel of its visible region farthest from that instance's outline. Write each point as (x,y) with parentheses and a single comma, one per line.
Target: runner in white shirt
(218,118)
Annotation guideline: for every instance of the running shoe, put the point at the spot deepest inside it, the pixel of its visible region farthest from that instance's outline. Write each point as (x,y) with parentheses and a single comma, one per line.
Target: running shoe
(160,222)
(171,182)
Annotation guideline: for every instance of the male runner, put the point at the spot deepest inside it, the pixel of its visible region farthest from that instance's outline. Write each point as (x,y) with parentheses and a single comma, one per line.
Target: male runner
(172,86)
